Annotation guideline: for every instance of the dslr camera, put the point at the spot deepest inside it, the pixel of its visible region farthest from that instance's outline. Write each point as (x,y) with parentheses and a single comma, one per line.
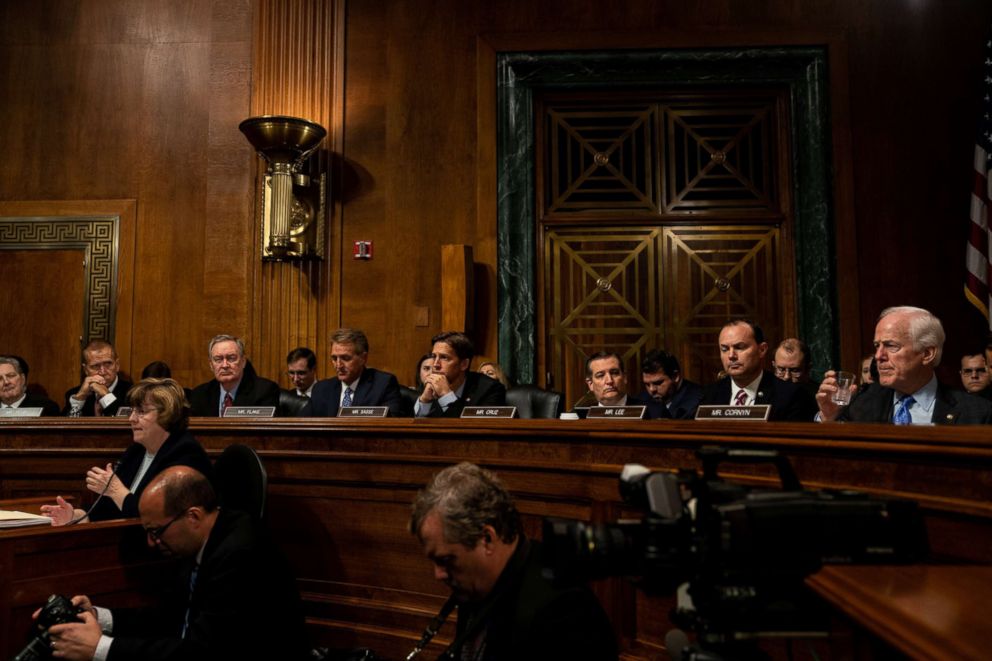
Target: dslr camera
(57,610)
(736,555)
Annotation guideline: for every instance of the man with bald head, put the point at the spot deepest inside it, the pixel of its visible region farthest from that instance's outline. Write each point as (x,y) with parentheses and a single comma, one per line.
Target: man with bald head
(237,598)
(908,343)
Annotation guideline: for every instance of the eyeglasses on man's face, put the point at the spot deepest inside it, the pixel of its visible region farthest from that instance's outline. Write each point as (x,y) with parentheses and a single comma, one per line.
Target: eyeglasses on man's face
(977,371)
(791,371)
(157,533)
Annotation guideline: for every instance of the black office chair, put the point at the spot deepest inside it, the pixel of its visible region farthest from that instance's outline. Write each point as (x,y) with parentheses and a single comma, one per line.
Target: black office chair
(410,397)
(534,402)
(241,481)
(290,404)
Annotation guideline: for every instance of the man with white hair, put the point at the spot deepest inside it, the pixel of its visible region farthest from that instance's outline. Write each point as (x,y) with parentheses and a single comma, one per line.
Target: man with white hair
(908,346)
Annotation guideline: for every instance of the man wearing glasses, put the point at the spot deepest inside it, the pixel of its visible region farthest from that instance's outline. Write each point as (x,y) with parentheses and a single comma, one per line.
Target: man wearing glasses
(235,382)
(908,345)
(975,375)
(237,598)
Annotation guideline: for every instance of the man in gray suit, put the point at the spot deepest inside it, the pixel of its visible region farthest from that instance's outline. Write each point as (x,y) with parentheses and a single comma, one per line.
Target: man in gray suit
(908,346)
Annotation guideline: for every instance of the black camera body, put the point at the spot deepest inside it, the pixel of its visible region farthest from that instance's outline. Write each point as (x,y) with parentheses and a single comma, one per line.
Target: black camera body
(742,552)
(57,610)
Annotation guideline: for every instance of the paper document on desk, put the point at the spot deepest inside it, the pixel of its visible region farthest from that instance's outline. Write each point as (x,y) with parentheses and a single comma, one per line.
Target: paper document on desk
(11,519)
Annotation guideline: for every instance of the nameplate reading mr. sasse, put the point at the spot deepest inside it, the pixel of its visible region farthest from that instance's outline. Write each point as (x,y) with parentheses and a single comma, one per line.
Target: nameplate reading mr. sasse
(363,411)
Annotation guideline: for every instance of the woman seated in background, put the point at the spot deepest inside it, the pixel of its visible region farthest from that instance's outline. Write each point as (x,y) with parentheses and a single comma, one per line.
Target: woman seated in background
(424,367)
(494,371)
(159,420)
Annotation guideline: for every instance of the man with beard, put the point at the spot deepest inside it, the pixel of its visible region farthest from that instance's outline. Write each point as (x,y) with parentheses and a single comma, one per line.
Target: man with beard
(664,384)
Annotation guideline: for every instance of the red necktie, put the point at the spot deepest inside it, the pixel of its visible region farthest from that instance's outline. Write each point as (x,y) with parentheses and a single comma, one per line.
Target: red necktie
(227,402)
(741,398)
(97,409)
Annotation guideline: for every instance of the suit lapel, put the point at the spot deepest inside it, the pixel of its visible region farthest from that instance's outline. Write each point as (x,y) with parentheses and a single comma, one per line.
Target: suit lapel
(766,389)
(944,412)
(332,406)
(364,389)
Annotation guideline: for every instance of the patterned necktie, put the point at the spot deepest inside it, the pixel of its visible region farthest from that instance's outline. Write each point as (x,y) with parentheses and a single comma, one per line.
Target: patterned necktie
(741,398)
(902,416)
(97,409)
(189,603)
(346,400)
(228,401)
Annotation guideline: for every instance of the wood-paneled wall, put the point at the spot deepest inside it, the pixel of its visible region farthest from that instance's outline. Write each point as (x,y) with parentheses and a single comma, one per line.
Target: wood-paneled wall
(139,99)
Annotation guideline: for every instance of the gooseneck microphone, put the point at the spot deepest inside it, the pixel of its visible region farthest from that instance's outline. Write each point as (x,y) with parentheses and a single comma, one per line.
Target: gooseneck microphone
(113,472)
(433,627)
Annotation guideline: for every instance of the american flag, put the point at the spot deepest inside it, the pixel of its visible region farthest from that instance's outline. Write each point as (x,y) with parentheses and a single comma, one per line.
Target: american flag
(979,276)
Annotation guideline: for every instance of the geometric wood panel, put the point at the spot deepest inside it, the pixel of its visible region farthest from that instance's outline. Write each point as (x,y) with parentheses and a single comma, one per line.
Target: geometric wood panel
(711,274)
(601,293)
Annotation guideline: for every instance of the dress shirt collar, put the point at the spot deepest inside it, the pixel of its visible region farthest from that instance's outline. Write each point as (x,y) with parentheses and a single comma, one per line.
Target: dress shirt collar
(921,410)
(751,389)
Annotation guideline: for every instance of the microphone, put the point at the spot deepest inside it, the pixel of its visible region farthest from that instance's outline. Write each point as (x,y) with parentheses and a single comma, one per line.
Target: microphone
(113,472)
(433,627)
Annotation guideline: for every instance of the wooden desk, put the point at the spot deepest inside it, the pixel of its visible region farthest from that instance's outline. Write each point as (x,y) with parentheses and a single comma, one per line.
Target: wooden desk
(926,612)
(340,494)
(106,560)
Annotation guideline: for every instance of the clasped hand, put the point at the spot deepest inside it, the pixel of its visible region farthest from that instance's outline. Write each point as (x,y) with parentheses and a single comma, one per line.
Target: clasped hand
(435,386)
(103,481)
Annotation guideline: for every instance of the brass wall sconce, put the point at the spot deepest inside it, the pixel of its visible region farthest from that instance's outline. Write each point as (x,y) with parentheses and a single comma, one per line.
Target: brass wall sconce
(294,186)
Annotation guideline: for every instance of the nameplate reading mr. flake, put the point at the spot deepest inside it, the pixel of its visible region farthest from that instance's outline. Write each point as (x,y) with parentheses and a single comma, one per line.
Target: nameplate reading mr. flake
(23,412)
(249,412)
(754,412)
(123,412)
(363,411)
(616,412)
(489,412)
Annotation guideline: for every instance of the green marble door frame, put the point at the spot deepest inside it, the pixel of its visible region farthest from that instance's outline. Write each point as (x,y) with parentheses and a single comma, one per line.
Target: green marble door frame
(802,70)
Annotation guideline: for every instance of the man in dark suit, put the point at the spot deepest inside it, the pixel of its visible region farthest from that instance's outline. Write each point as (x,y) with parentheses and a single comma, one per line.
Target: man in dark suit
(470,531)
(664,385)
(356,384)
(235,382)
(14,388)
(607,381)
(742,352)
(236,599)
(908,345)
(102,391)
(450,386)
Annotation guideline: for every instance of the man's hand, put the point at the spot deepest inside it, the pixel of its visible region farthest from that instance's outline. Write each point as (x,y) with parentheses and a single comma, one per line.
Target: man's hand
(76,641)
(829,409)
(60,513)
(438,383)
(92,384)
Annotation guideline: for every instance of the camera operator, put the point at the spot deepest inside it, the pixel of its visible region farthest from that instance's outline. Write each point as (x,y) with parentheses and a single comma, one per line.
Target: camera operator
(470,530)
(237,599)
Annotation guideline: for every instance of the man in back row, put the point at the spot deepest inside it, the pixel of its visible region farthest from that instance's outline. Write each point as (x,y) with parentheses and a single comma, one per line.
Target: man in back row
(102,391)
(235,382)
(663,384)
(355,384)
(450,386)
(908,345)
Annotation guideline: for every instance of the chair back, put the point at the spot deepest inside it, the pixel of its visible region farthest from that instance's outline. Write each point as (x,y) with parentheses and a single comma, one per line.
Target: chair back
(534,402)
(241,480)
(410,397)
(290,404)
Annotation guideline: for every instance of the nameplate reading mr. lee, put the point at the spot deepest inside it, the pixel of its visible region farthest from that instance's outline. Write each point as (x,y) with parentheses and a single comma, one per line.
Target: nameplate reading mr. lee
(616,412)
(754,412)
(363,411)
(249,412)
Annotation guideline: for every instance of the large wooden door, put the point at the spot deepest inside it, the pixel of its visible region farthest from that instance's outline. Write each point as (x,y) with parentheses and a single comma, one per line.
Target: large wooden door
(43,314)
(661,215)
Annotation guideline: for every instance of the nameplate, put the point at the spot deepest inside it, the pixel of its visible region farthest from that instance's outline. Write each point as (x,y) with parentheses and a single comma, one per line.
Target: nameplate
(616,412)
(23,412)
(123,412)
(250,412)
(363,411)
(753,412)
(489,412)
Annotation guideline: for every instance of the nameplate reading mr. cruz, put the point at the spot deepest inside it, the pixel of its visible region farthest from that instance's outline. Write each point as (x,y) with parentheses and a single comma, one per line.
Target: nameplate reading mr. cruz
(489,411)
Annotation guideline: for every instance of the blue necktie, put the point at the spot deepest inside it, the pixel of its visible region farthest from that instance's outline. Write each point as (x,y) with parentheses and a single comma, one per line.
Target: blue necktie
(346,400)
(902,416)
(192,582)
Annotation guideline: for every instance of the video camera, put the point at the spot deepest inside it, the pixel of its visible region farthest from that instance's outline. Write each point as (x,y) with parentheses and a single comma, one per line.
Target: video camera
(742,552)
(57,610)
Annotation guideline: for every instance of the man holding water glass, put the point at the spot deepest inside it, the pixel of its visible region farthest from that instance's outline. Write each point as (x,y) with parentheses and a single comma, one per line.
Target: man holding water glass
(908,346)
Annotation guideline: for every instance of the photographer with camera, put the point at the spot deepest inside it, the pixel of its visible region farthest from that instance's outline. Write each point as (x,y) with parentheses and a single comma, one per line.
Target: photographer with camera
(470,530)
(237,598)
